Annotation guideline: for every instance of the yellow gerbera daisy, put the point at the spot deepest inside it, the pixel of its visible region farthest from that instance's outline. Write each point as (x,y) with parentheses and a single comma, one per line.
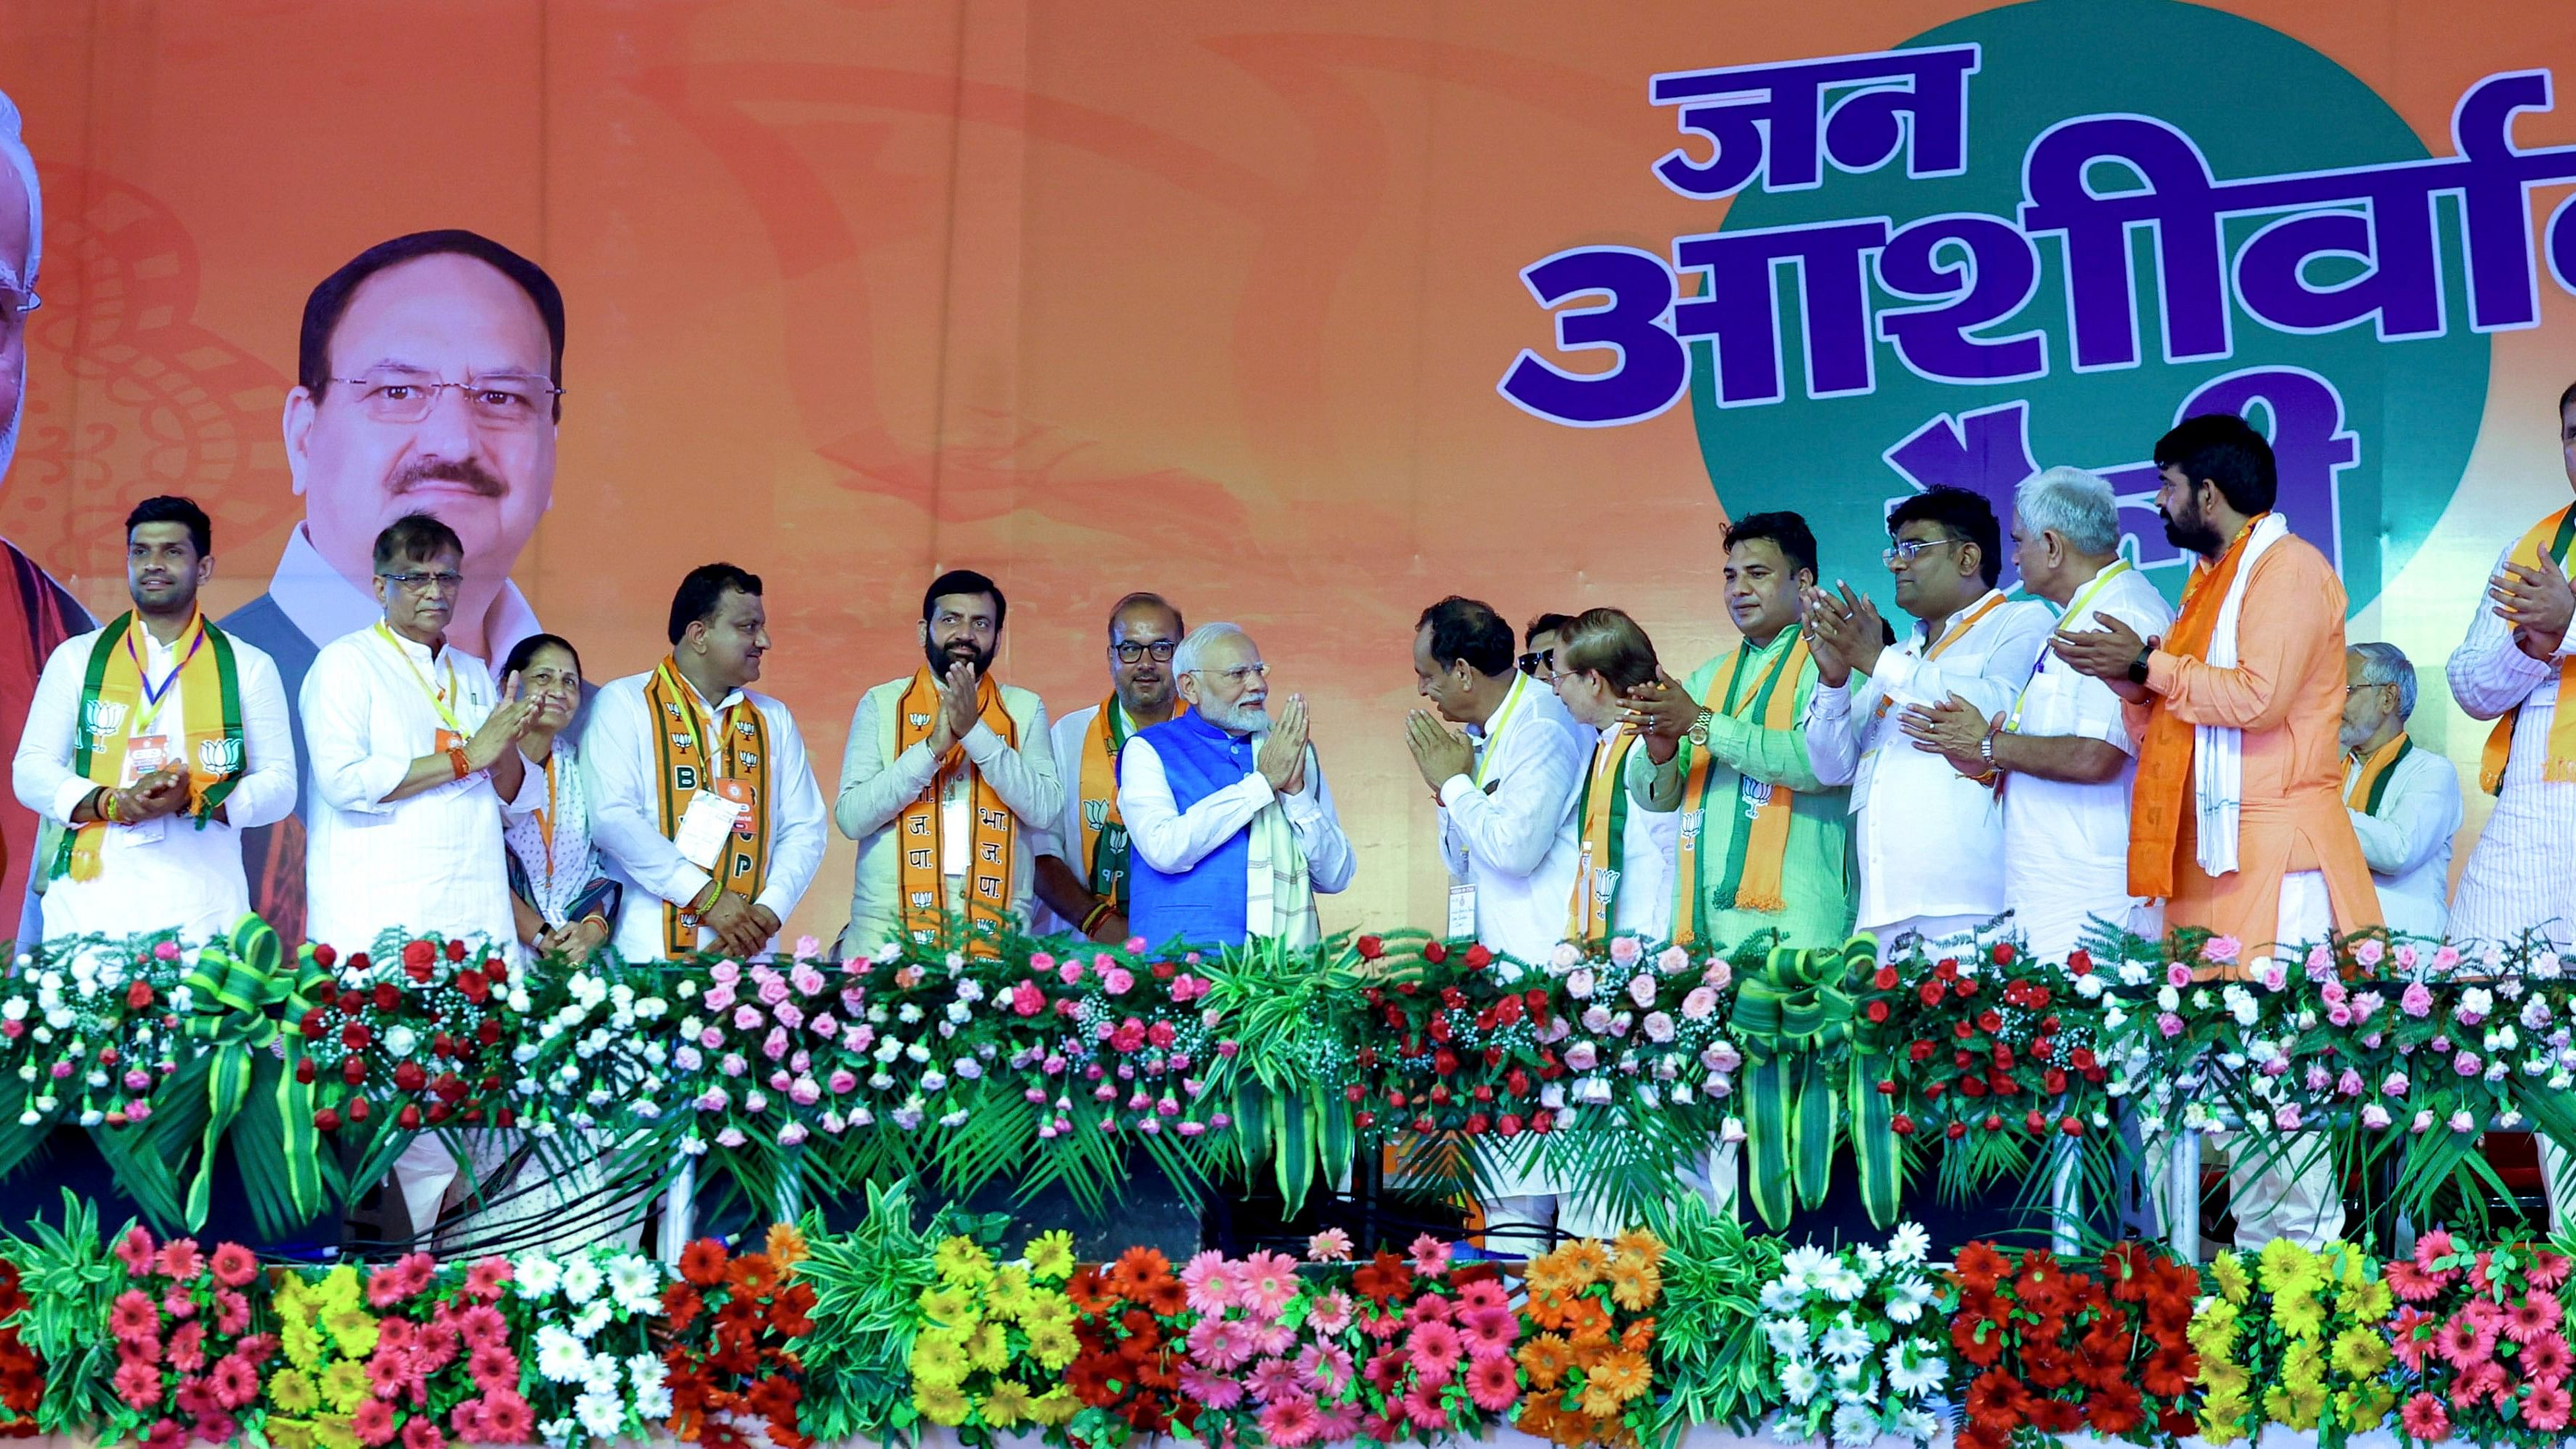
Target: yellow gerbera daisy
(292,1391)
(950,1308)
(344,1386)
(2229,1271)
(963,1261)
(1641,1243)
(1054,1406)
(1008,1295)
(939,1358)
(987,1349)
(1050,1256)
(1053,1346)
(1007,1405)
(940,1403)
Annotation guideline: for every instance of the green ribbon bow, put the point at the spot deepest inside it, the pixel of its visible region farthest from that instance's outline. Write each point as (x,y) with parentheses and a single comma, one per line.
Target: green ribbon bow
(244,1000)
(1796,1020)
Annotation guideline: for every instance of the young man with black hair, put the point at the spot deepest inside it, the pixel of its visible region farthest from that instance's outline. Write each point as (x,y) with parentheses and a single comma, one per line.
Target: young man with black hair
(1929,840)
(702,800)
(152,744)
(1538,645)
(948,783)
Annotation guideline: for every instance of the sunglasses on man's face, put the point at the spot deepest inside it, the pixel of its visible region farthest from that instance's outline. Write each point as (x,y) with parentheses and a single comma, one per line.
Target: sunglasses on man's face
(1536,661)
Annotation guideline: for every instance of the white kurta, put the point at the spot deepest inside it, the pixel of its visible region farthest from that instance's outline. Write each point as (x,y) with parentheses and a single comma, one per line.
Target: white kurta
(2066,846)
(1929,840)
(1649,853)
(878,781)
(164,874)
(1064,838)
(1519,845)
(429,862)
(2408,840)
(2516,878)
(619,772)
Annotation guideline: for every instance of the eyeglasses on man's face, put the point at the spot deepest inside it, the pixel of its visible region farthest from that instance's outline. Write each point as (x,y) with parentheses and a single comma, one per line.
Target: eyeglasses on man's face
(1903,552)
(16,301)
(499,400)
(1161,649)
(445,583)
(1538,664)
(1238,676)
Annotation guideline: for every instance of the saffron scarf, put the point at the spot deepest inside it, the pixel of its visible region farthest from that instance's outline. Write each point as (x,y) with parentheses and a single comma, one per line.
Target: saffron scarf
(117,701)
(1604,813)
(2165,755)
(1750,878)
(2371,783)
(2560,765)
(920,879)
(1104,836)
(691,762)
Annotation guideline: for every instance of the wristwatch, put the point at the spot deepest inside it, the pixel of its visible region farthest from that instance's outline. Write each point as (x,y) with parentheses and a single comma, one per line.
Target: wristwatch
(1698,732)
(2138,666)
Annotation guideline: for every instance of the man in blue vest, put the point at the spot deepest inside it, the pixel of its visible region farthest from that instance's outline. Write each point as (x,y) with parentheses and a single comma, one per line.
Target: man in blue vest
(1231,827)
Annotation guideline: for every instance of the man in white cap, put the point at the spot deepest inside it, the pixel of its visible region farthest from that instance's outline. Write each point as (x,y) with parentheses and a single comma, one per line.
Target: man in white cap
(35,613)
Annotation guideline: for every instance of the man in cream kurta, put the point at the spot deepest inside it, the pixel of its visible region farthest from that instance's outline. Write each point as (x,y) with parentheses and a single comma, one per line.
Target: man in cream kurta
(2404,800)
(956,751)
(1930,840)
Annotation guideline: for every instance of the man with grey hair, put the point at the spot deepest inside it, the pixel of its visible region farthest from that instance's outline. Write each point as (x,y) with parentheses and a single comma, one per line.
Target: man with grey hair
(35,613)
(2061,755)
(2405,802)
(1230,826)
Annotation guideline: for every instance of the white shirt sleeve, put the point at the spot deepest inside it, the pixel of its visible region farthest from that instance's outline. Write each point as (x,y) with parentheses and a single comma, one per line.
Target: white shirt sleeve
(1833,734)
(874,791)
(352,771)
(2488,674)
(1513,828)
(1330,863)
(1023,775)
(2422,817)
(266,793)
(795,817)
(1166,837)
(1988,680)
(42,772)
(625,809)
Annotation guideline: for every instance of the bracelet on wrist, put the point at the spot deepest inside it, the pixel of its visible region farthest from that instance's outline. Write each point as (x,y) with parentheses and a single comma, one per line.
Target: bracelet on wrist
(1099,912)
(105,806)
(457,761)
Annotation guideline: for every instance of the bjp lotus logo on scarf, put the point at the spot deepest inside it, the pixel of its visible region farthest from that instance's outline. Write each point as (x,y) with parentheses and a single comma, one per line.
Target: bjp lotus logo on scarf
(219,758)
(103,716)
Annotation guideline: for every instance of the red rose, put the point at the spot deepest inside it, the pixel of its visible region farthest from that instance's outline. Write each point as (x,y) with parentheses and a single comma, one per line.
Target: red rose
(2003,953)
(1973,1086)
(327,994)
(1507,1012)
(1993,1123)
(1933,1090)
(489,1032)
(1963,1060)
(1476,1124)
(1484,1093)
(138,995)
(1516,1082)
(1948,969)
(1878,1011)
(1955,1131)
(1394,1098)
(1962,1030)
(357,961)
(1885,979)
(1440,1030)
(507,1117)
(1478,958)
(1930,991)
(1886,1087)
(1452,997)
(304,1071)
(2080,963)
(496,973)
(355,1036)
(1425,1126)
(417,955)
(2081,1059)
(455,952)
(410,1077)
(1444,1061)
(1493,1056)
(1163,971)
(1371,947)
(353,1070)
(324,956)
(477,989)
(1963,989)
(1354,1092)
(2036,1121)
(1374,997)
(2071,1125)
(387,998)
(357,1109)
(2003,1056)
(2054,1080)
(438,1112)
(1902,1125)
(408,1119)
(1368,1056)
(326,1120)
(1439,1095)
(1435,953)
(1508,1124)
(1542,1122)
(1990,1021)
(1363,1120)
(312,1022)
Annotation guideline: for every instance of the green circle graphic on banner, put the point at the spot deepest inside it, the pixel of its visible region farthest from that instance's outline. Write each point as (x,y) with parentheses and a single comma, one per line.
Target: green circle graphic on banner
(2384,428)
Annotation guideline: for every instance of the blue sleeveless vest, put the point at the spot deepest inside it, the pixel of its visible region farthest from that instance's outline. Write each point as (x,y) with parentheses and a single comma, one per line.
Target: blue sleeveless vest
(1203,905)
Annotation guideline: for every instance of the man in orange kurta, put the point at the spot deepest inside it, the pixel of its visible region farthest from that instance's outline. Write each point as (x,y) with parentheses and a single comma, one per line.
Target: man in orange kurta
(2297,872)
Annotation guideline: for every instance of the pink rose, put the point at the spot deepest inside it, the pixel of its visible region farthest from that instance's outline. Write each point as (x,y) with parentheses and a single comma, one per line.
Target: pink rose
(2222,948)
(1070,973)
(1115,980)
(1641,988)
(842,1083)
(2417,1002)
(1699,1004)
(1581,1056)
(2169,1024)
(1719,974)
(2368,953)
(1027,999)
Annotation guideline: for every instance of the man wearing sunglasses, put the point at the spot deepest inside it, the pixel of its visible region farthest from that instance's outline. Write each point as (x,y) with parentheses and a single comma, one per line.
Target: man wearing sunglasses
(1538,646)
(428,380)
(1082,865)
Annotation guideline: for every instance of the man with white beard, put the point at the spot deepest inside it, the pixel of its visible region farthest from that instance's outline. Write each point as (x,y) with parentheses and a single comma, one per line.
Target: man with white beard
(1231,825)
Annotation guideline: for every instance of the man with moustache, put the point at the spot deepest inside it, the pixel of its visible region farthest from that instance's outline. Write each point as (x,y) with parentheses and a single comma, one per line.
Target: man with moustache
(1083,864)
(1623,883)
(2404,801)
(36,614)
(2062,752)
(152,743)
(1232,825)
(428,376)
(1764,846)
(1929,840)
(948,780)
(701,797)
(1506,792)
(2237,819)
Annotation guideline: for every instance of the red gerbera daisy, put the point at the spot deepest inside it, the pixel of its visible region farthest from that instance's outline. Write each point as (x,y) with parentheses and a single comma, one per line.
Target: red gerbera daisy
(1980,1266)
(703,1262)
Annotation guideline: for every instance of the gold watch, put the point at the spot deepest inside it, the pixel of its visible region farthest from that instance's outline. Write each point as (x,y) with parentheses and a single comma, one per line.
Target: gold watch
(1698,732)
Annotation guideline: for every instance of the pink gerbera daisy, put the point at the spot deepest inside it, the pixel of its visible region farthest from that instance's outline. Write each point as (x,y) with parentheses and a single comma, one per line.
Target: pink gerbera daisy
(1273,1379)
(418,1271)
(1267,1281)
(133,1319)
(1430,1256)
(1268,1335)
(1214,1390)
(2410,1336)
(1210,1281)
(1431,1308)
(1482,1293)
(1330,1313)
(234,1265)
(1435,1350)
(217,1427)
(506,1419)
(135,1251)
(2463,1344)
(2486,1313)
(2547,1360)
(1332,1245)
(423,1434)
(187,1352)
(139,1385)
(2413,1284)
(178,1302)
(373,1423)
(232,1311)
(1493,1383)
(484,1279)
(1490,1331)
(233,1382)
(2485,1382)
(482,1326)
(2432,1247)
(1289,1423)
(2532,1317)
(387,1372)
(1422,1406)
(2546,1407)
(2548,1269)
(1220,1344)
(1335,1423)
(1326,1367)
(180,1259)
(1385,1371)
(2424,1419)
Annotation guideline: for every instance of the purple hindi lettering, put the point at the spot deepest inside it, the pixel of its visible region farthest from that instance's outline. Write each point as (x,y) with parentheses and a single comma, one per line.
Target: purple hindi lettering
(1772,120)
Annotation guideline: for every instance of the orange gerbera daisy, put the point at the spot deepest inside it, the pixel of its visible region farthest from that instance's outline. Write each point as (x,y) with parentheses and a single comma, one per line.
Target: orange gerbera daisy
(1639,1337)
(786,1246)
(1586,1320)
(1586,1260)
(1635,1283)
(1546,1359)
(1549,1273)
(1136,1269)
(1545,1309)
(1090,1292)
(703,1262)
(753,1273)
(1165,1297)
(1618,1378)
(1641,1243)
